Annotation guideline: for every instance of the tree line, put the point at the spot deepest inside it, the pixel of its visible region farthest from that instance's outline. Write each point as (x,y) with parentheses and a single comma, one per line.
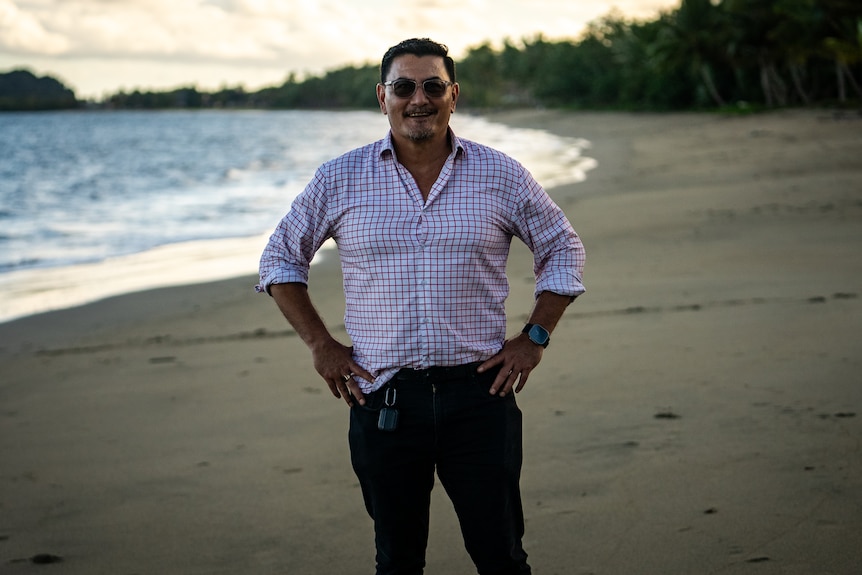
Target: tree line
(704,54)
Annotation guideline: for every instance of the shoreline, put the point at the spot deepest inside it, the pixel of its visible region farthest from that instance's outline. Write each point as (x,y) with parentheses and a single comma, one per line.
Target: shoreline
(553,159)
(38,291)
(698,410)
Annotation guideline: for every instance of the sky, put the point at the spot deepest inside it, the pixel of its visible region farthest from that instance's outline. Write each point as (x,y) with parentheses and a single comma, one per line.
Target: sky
(99,47)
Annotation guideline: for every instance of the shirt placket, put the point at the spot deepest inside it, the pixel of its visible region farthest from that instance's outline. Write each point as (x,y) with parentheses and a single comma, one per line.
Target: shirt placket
(429,266)
(425,261)
(422,268)
(423,289)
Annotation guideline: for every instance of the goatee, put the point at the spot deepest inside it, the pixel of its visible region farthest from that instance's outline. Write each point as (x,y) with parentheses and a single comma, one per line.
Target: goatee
(420,135)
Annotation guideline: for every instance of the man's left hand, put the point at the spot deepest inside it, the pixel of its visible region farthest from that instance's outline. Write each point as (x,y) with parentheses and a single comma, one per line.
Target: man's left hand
(517,359)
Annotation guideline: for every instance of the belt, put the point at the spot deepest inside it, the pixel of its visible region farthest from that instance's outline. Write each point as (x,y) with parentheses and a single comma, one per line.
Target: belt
(450,372)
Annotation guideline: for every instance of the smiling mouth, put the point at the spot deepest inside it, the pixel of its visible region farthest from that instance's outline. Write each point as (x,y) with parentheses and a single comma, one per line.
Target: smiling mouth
(420,114)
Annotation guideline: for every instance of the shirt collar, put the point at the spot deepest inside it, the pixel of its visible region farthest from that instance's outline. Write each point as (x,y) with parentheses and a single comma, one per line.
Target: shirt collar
(454,143)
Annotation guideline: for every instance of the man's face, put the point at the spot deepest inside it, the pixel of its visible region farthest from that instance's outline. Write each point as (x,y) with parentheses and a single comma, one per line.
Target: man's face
(417,118)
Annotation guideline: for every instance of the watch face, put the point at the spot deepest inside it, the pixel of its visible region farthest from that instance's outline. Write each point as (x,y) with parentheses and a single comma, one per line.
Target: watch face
(539,334)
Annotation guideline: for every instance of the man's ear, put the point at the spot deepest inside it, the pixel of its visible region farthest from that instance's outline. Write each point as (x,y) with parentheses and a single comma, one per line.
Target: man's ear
(381,97)
(456,90)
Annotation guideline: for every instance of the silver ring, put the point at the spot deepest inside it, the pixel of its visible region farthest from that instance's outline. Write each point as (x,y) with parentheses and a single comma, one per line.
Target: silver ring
(347,377)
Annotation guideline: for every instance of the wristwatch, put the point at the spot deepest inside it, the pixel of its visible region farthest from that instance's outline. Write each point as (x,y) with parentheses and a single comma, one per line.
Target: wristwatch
(537,334)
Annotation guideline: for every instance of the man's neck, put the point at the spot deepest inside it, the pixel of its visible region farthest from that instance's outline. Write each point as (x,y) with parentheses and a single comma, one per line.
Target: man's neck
(426,152)
(423,160)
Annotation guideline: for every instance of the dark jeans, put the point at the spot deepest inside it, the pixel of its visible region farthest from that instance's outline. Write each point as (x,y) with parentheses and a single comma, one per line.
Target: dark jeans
(447,421)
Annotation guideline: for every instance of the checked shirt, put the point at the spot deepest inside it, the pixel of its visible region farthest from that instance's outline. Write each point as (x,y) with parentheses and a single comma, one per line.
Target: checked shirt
(424,281)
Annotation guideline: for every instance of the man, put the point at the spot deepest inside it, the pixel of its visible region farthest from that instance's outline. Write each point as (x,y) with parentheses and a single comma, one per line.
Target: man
(423,221)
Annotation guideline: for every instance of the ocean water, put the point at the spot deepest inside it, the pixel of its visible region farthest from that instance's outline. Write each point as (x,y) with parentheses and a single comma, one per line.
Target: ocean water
(94,204)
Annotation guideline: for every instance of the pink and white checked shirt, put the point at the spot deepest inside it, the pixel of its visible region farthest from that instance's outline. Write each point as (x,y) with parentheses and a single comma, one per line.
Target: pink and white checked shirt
(424,281)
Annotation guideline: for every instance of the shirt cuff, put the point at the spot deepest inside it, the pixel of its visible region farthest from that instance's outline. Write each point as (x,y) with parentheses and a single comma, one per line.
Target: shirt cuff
(280,276)
(562,284)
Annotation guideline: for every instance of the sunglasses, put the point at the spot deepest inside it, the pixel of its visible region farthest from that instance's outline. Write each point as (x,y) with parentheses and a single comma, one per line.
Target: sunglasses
(404,88)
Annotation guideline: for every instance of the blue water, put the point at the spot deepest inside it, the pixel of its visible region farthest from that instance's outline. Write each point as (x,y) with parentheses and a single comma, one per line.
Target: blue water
(80,188)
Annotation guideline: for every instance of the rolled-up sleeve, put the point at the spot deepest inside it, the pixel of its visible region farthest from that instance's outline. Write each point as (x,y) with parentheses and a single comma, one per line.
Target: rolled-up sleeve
(291,247)
(558,253)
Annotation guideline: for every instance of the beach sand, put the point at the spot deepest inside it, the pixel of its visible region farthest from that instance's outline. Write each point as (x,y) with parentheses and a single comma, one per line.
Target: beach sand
(699,410)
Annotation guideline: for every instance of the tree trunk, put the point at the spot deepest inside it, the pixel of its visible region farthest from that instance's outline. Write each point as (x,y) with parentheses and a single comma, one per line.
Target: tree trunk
(849,75)
(779,86)
(842,91)
(764,84)
(796,77)
(706,75)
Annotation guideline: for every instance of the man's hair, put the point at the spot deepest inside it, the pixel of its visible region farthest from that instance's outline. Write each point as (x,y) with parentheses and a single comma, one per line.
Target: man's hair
(417,47)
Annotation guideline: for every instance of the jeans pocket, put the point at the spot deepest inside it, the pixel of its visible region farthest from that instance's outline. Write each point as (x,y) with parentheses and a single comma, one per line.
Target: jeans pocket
(482,383)
(373,401)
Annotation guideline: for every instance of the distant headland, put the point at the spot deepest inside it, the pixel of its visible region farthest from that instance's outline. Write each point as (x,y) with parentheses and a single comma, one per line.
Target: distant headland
(21,90)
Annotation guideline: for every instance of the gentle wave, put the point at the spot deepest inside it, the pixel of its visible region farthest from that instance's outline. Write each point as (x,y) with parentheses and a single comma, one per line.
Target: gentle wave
(98,204)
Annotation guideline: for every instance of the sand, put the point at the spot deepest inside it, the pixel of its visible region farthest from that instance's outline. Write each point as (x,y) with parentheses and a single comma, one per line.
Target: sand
(699,410)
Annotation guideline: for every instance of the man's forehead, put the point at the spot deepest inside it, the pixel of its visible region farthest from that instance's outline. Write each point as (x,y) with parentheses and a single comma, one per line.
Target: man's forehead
(406,64)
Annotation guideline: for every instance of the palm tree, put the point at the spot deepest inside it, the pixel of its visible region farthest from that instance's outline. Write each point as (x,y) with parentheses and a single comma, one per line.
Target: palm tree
(842,41)
(693,36)
(797,33)
(754,41)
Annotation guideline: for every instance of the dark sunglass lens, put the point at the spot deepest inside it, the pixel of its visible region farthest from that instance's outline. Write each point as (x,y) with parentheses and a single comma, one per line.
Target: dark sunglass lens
(434,88)
(404,88)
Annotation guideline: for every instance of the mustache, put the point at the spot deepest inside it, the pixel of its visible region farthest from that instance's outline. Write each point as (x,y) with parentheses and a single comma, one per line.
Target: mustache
(422,110)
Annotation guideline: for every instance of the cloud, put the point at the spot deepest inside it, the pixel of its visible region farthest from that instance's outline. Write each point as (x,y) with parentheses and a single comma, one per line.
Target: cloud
(261,32)
(21,31)
(204,39)
(272,30)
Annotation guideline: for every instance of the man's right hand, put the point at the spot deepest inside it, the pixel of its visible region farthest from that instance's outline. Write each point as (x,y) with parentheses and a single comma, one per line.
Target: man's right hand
(334,362)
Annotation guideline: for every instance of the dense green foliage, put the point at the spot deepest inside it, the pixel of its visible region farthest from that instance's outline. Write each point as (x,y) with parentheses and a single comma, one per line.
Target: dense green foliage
(348,87)
(702,54)
(20,90)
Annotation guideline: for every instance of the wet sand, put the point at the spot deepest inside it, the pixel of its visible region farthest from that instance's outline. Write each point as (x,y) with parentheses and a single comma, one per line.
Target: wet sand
(699,410)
